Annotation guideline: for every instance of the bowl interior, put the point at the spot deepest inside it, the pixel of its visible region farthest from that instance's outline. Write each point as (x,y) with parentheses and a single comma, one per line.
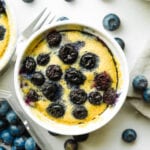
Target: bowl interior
(109,113)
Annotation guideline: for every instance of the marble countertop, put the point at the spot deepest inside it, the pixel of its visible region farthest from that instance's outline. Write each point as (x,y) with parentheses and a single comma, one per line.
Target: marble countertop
(135,21)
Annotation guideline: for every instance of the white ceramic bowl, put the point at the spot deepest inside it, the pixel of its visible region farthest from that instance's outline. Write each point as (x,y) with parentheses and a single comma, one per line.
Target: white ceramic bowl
(12,39)
(108,114)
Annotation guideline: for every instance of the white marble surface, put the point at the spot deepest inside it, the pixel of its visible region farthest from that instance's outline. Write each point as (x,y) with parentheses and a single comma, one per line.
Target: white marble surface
(135,23)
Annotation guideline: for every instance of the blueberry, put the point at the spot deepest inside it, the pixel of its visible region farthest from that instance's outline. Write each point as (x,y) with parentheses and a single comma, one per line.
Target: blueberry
(88,61)
(68,54)
(56,110)
(71,144)
(102,81)
(2,9)
(4,108)
(95,98)
(110,96)
(19,142)
(32,95)
(129,135)
(80,112)
(52,133)
(6,137)
(43,59)
(54,38)
(2,32)
(78,96)
(140,82)
(2,148)
(30,144)
(16,130)
(146,95)
(12,117)
(63,18)
(50,90)
(14,148)
(37,78)
(81,138)
(120,42)
(74,76)
(28,1)
(28,65)
(54,72)
(3,124)
(111,22)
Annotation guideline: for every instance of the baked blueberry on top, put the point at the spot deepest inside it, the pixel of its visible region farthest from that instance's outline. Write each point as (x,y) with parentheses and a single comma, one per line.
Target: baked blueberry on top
(70,77)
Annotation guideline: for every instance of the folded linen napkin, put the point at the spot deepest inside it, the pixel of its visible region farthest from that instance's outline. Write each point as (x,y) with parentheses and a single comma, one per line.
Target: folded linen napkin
(142,66)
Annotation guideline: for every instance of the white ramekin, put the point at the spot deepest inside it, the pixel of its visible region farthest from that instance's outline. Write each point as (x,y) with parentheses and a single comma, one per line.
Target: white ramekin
(109,113)
(6,58)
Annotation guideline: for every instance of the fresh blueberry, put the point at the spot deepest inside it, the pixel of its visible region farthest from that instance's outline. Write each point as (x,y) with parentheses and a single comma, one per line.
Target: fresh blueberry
(146,95)
(30,144)
(3,124)
(111,22)
(71,144)
(14,148)
(56,110)
(140,82)
(80,112)
(81,138)
(2,148)
(120,42)
(16,130)
(43,59)
(2,9)
(6,137)
(12,117)
(32,95)
(2,32)
(129,135)
(19,142)
(4,108)
(37,78)
(95,98)
(63,18)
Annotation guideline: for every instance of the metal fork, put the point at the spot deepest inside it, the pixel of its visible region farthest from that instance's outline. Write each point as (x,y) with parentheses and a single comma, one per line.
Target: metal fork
(45,17)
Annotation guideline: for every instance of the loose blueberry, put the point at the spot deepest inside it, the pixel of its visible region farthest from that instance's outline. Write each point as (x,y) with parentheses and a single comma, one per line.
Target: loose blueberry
(111,22)
(43,59)
(6,137)
(12,117)
(102,81)
(78,96)
(3,124)
(54,72)
(28,65)
(19,142)
(68,54)
(110,96)
(2,9)
(120,42)
(13,148)
(71,144)
(32,95)
(16,130)
(129,135)
(81,138)
(56,110)
(63,18)
(80,112)
(140,82)
(30,144)
(146,95)
(74,76)
(95,98)
(2,32)
(49,90)
(54,38)
(88,61)
(37,78)
(52,133)
(4,108)
(2,148)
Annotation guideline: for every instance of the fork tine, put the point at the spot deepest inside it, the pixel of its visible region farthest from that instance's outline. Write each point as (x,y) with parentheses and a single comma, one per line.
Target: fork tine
(27,31)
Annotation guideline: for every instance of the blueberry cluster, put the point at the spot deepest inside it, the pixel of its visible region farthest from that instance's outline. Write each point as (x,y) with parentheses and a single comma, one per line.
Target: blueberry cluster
(140,84)
(12,131)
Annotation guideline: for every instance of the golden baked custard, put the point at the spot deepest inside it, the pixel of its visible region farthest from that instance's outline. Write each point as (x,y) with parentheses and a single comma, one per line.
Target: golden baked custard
(4,30)
(70,77)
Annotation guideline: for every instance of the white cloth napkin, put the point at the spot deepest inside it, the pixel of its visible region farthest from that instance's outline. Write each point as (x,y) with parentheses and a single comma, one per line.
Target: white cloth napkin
(142,66)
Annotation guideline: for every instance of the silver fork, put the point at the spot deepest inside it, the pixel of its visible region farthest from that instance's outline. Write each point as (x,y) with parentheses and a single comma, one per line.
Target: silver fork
(45,17)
